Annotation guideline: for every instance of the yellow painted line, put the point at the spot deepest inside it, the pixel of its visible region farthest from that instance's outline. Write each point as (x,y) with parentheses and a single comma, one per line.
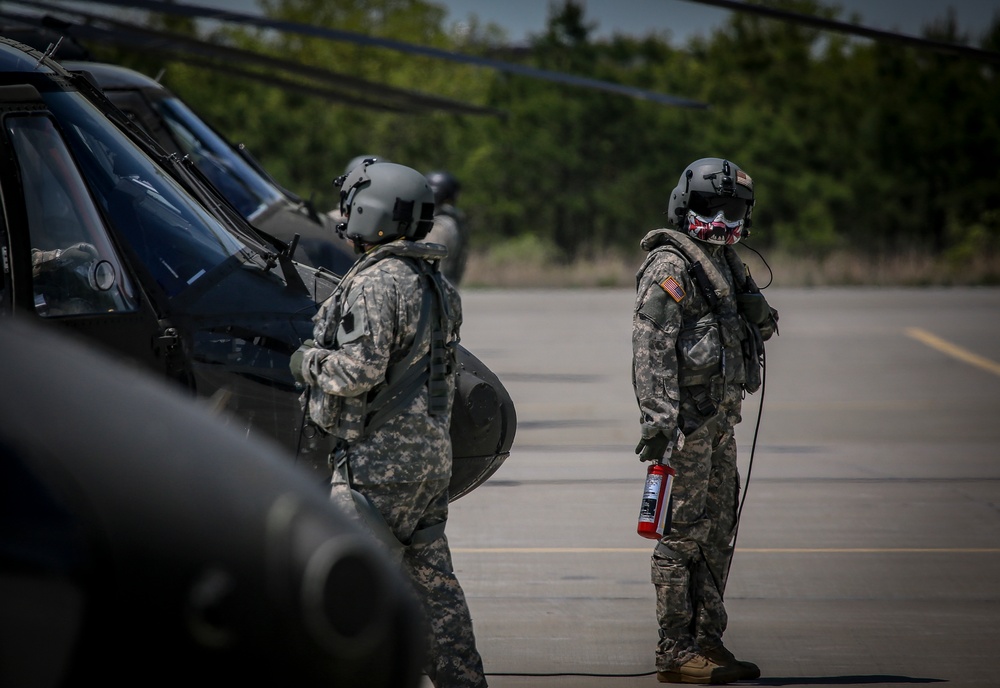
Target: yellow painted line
(953,350)
(741,550)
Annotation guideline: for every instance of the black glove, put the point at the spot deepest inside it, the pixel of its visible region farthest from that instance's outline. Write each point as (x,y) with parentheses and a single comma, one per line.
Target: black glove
(652,448)
(295,364)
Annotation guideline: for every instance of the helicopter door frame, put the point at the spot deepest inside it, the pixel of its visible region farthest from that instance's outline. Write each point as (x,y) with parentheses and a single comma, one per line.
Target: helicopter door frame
(133,329)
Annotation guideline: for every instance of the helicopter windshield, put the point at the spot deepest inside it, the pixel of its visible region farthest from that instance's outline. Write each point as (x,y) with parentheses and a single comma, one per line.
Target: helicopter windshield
(75,269)
(176,239)
(243,186)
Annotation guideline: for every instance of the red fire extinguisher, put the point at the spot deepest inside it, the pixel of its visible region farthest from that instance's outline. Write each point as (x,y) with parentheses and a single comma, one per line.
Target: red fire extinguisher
(654,510)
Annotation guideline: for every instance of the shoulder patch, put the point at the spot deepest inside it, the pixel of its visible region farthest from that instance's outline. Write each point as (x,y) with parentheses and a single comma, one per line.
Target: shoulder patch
(674,288)
(347,322)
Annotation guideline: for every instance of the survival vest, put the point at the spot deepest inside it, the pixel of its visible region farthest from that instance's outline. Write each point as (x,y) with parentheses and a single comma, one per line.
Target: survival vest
(354,418)
(738,332)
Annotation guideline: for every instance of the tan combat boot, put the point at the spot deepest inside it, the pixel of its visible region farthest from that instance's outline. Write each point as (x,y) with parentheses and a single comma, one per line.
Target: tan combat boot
(700,669)
(721,655)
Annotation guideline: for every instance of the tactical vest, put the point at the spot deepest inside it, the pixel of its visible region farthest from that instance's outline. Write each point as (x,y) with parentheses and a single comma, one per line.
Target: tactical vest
(353,418)
(719,346)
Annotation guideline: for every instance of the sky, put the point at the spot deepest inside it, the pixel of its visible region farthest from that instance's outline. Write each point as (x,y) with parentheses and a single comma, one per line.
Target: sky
(682,18)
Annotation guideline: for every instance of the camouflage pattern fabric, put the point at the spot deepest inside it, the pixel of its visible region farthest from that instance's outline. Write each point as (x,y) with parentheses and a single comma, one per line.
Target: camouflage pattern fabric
(40,258)
(690,563)
(449,230)
(453,660)
(369,324)
(690,566)
(403,466)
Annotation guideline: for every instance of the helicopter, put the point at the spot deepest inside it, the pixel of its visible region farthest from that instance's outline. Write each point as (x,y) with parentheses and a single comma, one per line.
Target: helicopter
(110,237)
(231,168)
(144,543)
(177,129)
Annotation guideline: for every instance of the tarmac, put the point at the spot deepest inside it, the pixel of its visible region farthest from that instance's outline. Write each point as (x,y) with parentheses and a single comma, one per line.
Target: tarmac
(869,547)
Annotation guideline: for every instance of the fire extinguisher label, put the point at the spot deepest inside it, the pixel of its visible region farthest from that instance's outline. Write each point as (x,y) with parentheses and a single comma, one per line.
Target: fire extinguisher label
(650,494)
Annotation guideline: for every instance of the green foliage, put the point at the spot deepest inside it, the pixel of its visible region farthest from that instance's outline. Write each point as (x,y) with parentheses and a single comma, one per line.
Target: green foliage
(968,240)
(853,145)
(526,249)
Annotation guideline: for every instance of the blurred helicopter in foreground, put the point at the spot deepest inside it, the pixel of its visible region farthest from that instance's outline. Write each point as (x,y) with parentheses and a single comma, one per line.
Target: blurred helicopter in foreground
(143,543)
(106,234)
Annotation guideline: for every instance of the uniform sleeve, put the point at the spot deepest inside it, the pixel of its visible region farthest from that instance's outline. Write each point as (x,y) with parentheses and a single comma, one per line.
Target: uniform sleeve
(455,311)
(445,231)
(364,337)
(40,258)
(656,323)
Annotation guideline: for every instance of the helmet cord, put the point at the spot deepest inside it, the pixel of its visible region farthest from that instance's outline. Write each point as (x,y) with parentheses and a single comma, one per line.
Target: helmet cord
(753,450)
(770,273)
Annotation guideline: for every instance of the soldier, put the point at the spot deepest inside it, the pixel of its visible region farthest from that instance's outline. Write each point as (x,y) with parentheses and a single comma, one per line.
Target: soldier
(698,329)
(449,224)
(381,379)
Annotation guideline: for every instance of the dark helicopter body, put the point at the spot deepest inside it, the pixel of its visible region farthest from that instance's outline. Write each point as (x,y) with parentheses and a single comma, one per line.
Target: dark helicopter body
(181,286)
(238,177)
(143,544)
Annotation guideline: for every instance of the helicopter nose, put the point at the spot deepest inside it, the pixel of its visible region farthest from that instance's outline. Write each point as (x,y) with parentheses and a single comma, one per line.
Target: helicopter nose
(344,596)
(344,587)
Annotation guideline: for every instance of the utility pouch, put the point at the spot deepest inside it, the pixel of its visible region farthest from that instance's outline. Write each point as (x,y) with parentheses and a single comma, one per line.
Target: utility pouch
(697,408)
(324,409)
(699,352)
(753,307)
(342,417)
(753,348)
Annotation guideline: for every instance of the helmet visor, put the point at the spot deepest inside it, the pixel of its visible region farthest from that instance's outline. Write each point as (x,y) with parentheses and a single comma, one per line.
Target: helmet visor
(733,208)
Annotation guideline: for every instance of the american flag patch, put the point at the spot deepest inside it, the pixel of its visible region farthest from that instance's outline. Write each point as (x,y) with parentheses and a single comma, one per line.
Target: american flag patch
(674,288)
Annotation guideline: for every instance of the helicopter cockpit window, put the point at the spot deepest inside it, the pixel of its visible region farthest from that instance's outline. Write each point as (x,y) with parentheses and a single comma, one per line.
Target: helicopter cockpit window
(250,193)
(75,269)
(175,238)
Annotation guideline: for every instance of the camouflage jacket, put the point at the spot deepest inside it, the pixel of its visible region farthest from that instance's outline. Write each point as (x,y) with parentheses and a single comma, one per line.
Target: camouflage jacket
(449,230)
(683,351)
(369,324)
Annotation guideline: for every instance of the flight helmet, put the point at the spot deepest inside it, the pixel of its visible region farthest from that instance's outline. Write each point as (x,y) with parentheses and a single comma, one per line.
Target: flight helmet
(444,185)
(713,201)
(358,159)
(385,201)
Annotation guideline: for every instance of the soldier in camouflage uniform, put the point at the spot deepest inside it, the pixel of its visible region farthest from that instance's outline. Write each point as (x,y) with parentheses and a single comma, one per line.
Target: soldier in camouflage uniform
(698,330)
(449,225)
(381,379)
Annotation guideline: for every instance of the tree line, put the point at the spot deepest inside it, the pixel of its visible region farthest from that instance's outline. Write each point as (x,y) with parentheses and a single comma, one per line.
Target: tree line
(852,144)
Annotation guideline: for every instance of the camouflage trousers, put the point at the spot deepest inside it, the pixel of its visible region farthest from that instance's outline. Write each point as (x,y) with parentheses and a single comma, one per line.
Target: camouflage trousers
(690,563)
(453,660)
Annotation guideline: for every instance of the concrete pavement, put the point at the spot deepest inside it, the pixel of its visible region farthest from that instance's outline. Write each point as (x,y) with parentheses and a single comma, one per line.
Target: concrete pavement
(869,550)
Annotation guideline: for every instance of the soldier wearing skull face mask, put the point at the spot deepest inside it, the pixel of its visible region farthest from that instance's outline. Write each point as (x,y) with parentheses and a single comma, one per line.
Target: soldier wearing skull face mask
(699,324)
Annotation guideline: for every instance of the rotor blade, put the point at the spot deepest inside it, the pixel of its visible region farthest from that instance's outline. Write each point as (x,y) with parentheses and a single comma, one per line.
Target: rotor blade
(125,39)
(855,29)
(177,44)
(195,11)
(289,85)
